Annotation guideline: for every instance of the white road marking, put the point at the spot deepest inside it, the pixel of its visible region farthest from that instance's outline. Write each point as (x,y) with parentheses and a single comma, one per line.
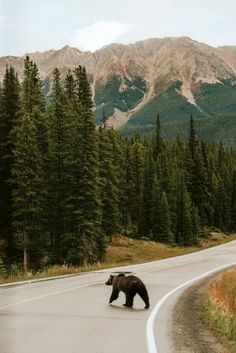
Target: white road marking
(152,348)
(29,300)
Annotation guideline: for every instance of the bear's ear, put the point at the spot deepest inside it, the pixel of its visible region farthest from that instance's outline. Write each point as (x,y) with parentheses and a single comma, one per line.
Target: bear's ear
(121,275)
(111,276)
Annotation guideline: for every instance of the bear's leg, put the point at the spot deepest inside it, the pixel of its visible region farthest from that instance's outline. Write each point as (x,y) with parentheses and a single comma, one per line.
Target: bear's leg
(114,295)
(144,295)
(129,299)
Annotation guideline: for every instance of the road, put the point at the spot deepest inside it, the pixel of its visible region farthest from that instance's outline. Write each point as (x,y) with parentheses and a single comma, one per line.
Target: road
(72,315)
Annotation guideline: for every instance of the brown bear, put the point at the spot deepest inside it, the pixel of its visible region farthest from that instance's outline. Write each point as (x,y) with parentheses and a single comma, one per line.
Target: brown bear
(130,285)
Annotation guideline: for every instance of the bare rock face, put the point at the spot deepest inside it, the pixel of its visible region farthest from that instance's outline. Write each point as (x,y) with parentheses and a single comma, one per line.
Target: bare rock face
(170,58)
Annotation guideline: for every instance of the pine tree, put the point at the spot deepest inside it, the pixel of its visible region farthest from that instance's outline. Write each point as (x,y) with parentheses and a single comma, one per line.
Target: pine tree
(88,213)
(184,234)
(166,232)
(109,184)
(208,181)
(71,98)
(9,118)
(27,178)
(57,182)
(170,166)
(135,179)
(118,152)
(82,88)
(224,168)
(160,215)
(192,141)
(32,96)
(198,176)
(158,142)
(33,105)
(71,142)
(149,173)
(197,230)
(219,206)
(199,188)
(125,188)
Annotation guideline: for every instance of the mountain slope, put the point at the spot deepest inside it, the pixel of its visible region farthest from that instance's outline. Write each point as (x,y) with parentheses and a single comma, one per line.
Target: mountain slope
(131,83)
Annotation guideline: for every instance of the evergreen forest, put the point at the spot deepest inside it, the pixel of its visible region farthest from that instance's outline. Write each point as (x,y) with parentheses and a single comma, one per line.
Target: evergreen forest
(67,186)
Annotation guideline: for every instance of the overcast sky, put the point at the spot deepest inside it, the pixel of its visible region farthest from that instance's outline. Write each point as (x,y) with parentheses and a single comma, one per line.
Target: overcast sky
(39,25)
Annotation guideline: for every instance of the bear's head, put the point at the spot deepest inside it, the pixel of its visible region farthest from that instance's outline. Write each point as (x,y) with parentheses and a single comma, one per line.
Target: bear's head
(109,281)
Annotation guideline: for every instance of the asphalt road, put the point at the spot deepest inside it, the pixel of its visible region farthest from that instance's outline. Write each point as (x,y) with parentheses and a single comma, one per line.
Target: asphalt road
(72,315)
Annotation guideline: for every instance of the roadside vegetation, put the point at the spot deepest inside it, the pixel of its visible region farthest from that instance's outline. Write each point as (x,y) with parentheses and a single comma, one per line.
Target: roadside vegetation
(219,308)
(121,251)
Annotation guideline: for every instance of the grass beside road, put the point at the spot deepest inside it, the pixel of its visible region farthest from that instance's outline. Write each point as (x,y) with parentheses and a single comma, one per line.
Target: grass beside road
(219,308)
(125,251)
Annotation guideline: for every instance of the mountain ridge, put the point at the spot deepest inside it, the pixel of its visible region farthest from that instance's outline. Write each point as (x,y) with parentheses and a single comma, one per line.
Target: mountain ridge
(144,49)
(128,79)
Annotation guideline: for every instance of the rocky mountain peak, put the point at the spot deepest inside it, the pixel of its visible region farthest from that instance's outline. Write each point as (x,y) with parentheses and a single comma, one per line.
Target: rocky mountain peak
(135,73)
(175,58)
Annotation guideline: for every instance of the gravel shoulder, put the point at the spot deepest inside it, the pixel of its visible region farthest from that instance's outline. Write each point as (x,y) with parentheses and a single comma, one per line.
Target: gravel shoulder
(190,335)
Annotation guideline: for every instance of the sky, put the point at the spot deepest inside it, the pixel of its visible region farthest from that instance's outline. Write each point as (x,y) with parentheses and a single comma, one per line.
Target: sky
(37,25)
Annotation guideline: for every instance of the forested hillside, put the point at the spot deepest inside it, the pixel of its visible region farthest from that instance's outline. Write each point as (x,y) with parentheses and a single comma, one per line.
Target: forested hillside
(67,187)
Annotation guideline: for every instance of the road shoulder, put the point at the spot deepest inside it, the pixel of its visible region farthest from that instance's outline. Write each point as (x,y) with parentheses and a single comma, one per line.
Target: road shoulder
(190,334)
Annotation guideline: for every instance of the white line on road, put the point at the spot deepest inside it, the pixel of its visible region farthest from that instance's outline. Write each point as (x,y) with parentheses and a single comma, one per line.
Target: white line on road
(152,348)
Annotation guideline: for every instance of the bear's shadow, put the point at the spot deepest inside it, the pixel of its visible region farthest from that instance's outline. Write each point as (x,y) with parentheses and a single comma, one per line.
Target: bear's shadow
(121,307)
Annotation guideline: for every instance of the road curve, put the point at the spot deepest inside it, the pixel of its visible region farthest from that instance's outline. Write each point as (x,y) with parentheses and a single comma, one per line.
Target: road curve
(72,315)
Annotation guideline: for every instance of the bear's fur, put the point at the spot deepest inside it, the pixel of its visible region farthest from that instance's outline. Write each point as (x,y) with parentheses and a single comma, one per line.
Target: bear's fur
(130,285)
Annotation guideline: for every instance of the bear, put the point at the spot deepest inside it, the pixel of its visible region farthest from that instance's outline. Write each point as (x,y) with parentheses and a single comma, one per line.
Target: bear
(130,285)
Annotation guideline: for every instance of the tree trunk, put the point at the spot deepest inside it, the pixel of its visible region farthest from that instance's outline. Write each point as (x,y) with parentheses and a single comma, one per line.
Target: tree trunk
(25,259)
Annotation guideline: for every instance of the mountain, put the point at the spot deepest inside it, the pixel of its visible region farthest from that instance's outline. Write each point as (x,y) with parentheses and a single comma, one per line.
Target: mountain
(171,76)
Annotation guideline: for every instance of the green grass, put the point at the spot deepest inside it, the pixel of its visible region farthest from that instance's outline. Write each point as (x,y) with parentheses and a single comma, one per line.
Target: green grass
(223,326)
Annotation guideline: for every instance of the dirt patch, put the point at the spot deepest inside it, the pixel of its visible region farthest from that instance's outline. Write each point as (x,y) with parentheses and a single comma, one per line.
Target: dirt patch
(190,335)
(217,236)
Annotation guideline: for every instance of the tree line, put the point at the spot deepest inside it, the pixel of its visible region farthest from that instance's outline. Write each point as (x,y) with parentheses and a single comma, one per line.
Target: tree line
(66,186)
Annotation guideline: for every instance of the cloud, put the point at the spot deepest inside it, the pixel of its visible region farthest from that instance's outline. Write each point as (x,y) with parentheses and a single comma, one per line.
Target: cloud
(98,34)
